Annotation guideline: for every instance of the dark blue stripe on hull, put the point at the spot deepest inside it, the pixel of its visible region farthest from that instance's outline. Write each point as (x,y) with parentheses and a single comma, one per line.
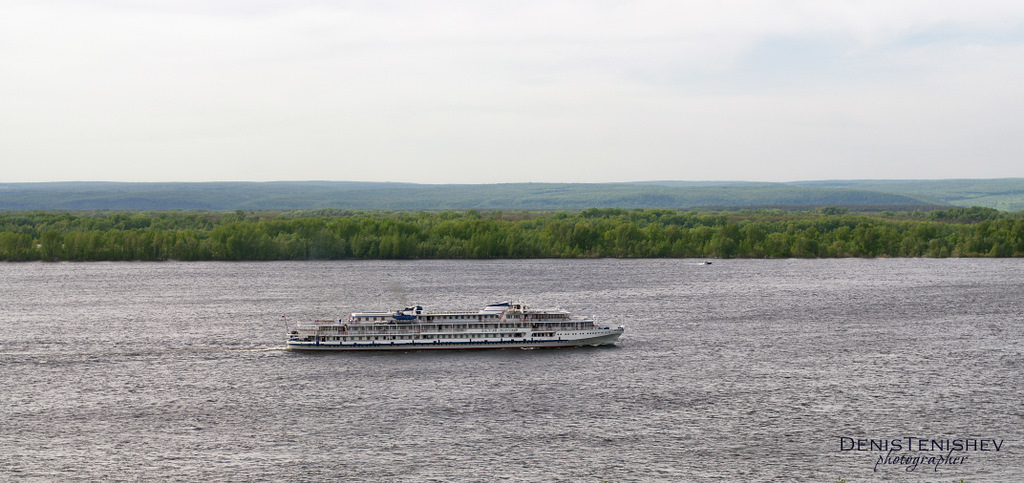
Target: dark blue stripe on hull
(421,348)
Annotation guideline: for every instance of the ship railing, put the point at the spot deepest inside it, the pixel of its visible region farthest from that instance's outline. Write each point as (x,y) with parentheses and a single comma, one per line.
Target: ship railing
(413,330)
(431,329)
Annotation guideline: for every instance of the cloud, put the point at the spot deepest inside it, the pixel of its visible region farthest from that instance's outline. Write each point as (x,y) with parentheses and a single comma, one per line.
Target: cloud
(453,91)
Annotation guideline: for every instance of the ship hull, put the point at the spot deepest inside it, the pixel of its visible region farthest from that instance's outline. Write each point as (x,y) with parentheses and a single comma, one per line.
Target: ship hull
(409,345)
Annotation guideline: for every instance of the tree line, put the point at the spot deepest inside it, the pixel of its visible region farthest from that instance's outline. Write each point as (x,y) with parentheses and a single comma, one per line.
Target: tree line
(642,233)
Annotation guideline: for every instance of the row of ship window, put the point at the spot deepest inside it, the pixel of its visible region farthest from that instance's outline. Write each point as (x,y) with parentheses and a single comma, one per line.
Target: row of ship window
(452,336)
(439,318)
(430,317)
(449,327)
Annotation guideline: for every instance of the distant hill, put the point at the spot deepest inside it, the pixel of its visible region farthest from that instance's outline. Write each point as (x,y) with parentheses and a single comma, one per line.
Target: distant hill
(1006,194)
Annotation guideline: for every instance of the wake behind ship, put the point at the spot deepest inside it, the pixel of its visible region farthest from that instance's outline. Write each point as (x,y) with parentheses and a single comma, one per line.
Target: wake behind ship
(497,326)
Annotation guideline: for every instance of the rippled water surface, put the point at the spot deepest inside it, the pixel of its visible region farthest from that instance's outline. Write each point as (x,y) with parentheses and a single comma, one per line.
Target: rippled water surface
(743,369)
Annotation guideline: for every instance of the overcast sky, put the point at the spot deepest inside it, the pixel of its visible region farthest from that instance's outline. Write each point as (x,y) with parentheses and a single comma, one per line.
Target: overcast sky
(482,91)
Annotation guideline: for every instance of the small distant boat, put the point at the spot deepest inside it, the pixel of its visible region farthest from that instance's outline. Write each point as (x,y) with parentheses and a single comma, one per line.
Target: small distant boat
(705,262)
(497,326)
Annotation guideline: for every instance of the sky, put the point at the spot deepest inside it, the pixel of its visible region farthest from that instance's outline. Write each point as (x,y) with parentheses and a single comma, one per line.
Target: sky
(491,92)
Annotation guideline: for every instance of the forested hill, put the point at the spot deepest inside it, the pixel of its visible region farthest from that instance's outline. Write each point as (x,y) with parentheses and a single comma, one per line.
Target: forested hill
(294,195)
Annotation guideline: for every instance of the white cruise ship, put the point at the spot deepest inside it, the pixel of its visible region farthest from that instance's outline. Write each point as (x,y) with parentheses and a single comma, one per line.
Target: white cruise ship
(497,326)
